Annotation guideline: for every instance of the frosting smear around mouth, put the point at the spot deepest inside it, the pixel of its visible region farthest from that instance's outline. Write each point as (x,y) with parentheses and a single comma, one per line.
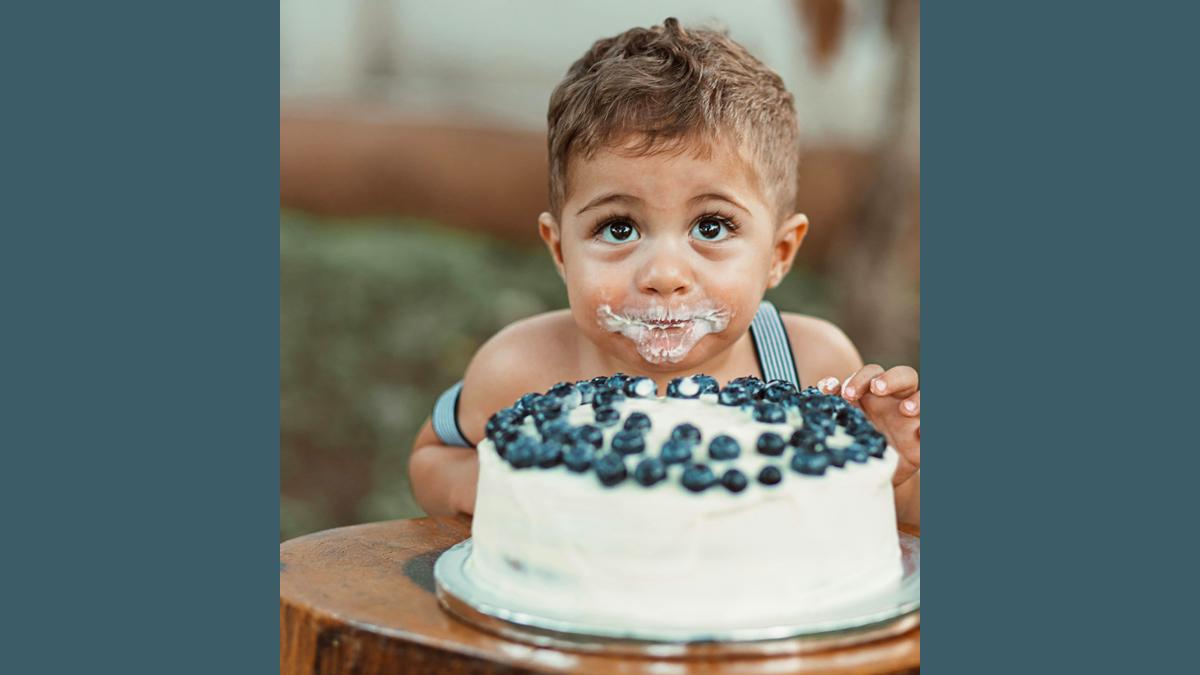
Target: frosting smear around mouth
(663,334)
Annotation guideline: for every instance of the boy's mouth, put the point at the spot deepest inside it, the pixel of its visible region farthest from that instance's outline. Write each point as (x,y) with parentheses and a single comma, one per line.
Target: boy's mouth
(664,334)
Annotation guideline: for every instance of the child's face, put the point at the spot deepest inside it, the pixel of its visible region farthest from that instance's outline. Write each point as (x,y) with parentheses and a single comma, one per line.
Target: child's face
(667,256)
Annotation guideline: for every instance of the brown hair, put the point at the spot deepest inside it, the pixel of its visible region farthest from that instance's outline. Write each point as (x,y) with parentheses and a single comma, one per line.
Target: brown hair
(669,87)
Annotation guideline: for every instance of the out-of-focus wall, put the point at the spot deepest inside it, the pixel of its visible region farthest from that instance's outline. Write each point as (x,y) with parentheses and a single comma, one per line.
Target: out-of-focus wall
(412,167)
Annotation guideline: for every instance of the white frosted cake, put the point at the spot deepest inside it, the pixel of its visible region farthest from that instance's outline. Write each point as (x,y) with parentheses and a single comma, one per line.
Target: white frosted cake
(741,506)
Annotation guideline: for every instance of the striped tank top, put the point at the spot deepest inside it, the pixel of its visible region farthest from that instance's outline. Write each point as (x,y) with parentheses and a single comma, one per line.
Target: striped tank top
(771,348)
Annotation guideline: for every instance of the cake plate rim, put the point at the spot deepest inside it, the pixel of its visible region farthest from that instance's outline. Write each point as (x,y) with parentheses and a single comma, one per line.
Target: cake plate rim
(896,610)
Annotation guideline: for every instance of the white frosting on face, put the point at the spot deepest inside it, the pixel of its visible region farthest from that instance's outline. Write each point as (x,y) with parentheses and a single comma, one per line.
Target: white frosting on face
(664,556)
(662,334)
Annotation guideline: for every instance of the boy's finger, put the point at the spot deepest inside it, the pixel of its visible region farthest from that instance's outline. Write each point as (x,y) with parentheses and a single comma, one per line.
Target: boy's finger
(899,382)
(828,385)
(856,385)
(911,406)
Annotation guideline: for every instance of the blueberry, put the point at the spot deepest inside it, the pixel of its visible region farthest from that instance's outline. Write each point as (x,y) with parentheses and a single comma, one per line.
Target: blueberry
(638,422)
(628,443)
(606,398)
(707,384)
(770,444)
(810,463)
(501,421)
(777,391)
(578,457)
(687,433)
(733,395)
(525,403)
(610,469)
(806,437)
(649,471)
(876,442)
(734,480)
(809,392)
(641,387)
(857,452)
(676,451)
(752,385)
(599,383)
(556,430)
(607,416)
(549,454)
(547,407)
(586,390)
(587,434)
(617,382)
(698,478)
(769,476)
(684,387)
(724,447)
(770,413)
(507,438)
(568,396)
(522,453)
(837,456)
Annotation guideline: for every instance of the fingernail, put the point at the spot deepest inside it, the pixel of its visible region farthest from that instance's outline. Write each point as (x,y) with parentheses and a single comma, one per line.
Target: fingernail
(849,392)
(879,386)
(910,406)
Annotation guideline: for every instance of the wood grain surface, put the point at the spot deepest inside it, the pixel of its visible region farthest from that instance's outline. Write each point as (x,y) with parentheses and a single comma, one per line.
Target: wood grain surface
(361,600)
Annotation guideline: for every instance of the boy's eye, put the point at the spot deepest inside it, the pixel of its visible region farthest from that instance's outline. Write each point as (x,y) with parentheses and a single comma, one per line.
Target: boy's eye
(711,228)
(619,232)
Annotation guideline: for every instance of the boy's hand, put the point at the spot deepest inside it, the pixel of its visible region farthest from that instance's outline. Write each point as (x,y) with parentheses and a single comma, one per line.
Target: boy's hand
(892,401)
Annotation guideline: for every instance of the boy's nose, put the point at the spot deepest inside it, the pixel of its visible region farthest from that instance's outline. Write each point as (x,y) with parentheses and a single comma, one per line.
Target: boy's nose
(665,274)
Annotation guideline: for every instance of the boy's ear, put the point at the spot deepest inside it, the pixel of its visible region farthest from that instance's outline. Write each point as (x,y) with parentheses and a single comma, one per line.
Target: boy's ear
(787,243)
(550,233)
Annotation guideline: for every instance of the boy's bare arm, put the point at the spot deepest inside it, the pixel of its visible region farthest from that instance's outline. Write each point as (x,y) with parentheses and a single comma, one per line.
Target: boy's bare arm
(443,477)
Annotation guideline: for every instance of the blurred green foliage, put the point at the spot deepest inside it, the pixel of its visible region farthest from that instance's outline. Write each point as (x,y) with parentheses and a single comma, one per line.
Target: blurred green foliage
(376,319)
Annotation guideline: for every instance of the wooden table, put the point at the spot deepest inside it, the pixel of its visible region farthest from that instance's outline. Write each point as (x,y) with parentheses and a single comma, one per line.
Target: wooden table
(361,600)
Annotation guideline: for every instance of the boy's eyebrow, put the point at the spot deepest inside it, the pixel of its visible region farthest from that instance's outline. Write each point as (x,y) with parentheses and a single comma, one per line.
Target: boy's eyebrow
(607,199)
(718,196)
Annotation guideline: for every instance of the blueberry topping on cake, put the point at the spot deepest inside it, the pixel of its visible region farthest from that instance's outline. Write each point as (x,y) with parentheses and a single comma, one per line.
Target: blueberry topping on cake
(810,463)
(617,382)
(556,430)
(770,475)
(607,416)
(650,471)
(525,403)
(607,397)
(733,395)
(770,444)
(549,454)
(676,451)
(683,387)
(507,438)
(599,383)
(610,469)
(638,421)
(724,447)
(777,391)
(641,387)
(769,413)
(837,456)
(857,452)
(707,384)
(586,390)
(578,457)
(734,480)
(587,434)
(547,407)
(687,433)
(522,452)
(628,442)
(698,477)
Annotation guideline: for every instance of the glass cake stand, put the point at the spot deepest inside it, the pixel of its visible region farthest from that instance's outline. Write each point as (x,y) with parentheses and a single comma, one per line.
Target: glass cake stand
(889,612)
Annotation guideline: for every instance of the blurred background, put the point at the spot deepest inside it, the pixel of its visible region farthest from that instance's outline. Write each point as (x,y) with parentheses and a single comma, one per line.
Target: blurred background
(413,167)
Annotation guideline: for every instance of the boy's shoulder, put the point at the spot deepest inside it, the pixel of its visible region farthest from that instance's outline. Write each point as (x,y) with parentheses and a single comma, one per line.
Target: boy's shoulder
(821,348)
(528,355)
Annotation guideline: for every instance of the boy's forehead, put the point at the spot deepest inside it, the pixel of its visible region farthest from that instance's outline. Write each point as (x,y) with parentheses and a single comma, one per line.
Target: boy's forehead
(677,174)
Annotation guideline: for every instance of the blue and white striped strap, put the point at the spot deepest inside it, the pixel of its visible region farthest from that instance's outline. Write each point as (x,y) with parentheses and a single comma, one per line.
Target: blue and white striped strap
(771,342)
(445,418)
